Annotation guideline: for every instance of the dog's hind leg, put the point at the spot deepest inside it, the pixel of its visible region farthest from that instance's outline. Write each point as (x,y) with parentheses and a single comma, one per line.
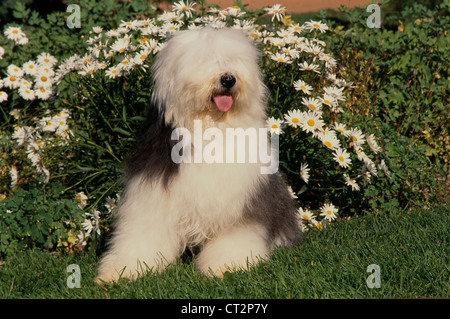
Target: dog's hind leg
(236,248)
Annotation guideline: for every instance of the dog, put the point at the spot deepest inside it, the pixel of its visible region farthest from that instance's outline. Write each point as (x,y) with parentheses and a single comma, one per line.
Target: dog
(231,214)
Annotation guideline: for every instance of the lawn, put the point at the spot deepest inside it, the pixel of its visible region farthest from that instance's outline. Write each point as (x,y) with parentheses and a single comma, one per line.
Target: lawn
(411,249)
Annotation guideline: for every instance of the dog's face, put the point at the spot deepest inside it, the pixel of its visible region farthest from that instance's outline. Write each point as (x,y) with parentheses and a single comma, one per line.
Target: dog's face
(208,72)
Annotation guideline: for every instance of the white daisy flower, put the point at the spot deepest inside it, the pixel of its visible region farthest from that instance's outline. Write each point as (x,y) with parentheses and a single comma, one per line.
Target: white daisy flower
(120,45)
(14,33)
(305,66)
(274,125)
(304,172)
(373,143)
(277,42)
(311,121)
(339,127)
(329,212)
(113,71)
(43,93)
(329,140)
(3,96)
(328,100)
(330,62)
(21,134)
(15,70)
(357,136)
(351,182)
(314,49)
(292,193)
(305,214)
(342,157)
(46,59)
(12,82)
(113,33)
(293,118)
(385,169)
(130,25)
(184,8)
(277,12)
(315,25)
(48,124)
(26,93)
(81,199)
(312,103)
(43,80)
(301,85)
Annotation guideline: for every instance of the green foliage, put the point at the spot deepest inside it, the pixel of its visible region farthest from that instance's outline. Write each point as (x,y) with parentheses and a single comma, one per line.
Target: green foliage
(38,217)
(402,75)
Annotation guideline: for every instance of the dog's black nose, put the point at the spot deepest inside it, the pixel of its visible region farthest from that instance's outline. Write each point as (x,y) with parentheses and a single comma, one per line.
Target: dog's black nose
(227,81)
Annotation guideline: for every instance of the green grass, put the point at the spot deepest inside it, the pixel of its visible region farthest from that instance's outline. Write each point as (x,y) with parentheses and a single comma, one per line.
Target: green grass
(411,248)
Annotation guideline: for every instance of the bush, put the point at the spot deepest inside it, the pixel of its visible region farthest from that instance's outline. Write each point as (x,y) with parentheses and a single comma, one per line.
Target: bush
(38,217)
(76,131)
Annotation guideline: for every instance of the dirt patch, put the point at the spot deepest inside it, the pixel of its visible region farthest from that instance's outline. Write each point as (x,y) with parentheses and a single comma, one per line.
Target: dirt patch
(295,6)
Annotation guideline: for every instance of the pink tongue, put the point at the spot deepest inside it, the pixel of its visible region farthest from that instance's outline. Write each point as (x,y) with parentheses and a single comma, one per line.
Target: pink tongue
(223,102)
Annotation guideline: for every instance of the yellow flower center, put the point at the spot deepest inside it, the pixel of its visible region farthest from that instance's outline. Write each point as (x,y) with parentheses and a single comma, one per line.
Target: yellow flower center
(312,106)
(12,78)
(329,212)
(121,49)
(311,122)
(43,78)
(341,158)
(143,57)
(326,101)
(355,139)
(274,126)
(42,90)
(295,120)
(305,216)
(303,87)
(114,71)
(316,25)
(15,31)
(327,143)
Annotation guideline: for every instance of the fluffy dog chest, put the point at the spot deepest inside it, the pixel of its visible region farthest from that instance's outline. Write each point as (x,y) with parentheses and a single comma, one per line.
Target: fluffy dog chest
(213,196)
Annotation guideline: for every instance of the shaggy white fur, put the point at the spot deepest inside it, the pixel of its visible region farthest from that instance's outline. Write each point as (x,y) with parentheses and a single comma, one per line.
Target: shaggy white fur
(230,211)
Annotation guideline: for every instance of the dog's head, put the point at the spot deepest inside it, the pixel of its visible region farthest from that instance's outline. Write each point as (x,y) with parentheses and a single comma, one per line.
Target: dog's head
(210,74)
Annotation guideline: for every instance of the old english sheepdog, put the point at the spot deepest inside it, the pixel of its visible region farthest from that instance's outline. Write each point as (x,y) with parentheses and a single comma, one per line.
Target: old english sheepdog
(228,212)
